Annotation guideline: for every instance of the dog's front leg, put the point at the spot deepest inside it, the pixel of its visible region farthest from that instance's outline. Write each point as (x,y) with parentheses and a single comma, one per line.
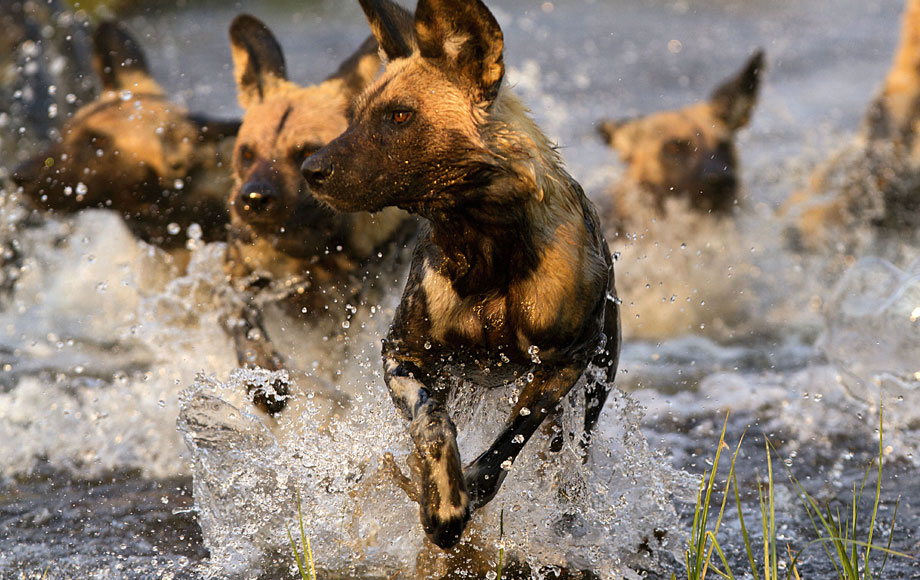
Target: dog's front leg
(538,399)
(253,349)
(608,360)
(443,502)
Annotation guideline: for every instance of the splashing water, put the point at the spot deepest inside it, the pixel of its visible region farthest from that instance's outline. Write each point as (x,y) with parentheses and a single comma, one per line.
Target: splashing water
(558,510)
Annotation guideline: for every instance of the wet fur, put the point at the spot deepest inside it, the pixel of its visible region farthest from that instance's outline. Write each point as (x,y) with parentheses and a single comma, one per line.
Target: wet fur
(511,275)
(285,247)
(869,191)
(129,148)
(687,153)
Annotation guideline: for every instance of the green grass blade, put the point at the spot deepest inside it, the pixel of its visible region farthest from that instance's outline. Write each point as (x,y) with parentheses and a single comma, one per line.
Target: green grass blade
(728,571)
(744,532)
(294,549)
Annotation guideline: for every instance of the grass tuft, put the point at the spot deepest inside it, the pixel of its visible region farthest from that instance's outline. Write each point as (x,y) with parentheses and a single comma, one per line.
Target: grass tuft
(837,531)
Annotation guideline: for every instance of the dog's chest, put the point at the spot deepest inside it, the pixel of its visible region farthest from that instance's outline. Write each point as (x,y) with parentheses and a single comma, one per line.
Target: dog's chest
(482,321)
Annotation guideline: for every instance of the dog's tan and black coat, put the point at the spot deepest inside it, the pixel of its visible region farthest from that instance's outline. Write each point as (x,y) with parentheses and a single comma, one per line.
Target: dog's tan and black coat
(687,153)
(134,151)
(511,275)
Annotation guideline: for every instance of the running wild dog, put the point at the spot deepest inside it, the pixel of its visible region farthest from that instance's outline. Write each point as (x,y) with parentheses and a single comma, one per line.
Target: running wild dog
(511,280)
(687,153)
(871,188)
(285,247)
(134,151)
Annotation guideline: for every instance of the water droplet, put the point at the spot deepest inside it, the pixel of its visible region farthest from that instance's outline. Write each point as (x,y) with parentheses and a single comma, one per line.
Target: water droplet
(506,465)
(68,190)
(525,411)
(81,188)
(346,324)
(173,228)
(518,439)
(125,95)
(427,345)
(179,184)
(194,231)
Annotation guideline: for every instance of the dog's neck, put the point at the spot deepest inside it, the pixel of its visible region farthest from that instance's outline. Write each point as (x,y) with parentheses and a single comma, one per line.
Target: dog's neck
(500,233)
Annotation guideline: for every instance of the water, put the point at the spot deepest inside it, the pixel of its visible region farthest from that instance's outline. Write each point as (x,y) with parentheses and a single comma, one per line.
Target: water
(105,346)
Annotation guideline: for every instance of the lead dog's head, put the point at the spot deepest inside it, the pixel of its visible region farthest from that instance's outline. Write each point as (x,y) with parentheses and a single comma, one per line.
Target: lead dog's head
(414,137)
(690,152)
(129,148)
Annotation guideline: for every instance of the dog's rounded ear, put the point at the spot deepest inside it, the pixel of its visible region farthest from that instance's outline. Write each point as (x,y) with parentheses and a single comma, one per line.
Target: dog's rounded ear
(258,63)
(733,101)
(620,134)
(608,129)
(359,69)
(119,60)
(464,35)
(391,25)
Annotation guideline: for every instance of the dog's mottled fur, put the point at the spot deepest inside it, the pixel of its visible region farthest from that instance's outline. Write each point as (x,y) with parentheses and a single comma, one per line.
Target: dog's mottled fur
(687,153)
(511,280)
(871,188)
(285,245)
(134,151)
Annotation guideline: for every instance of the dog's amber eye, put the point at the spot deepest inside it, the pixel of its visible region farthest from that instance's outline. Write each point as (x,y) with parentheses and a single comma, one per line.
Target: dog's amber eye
(246,156)
(401,117)
(301,153)
(677,147)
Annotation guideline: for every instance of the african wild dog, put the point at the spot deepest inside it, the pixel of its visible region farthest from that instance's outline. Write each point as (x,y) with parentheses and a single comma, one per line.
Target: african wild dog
(687,153)
(285,247)
(35,90)
(134,151)
(511,280)
(870,189)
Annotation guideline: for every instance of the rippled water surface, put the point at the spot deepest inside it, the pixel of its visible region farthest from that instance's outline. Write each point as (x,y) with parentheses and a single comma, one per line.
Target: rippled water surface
(106,348)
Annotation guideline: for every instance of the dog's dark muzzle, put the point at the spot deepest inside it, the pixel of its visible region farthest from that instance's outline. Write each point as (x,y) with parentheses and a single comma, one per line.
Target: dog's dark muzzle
(317,169)
(256,197)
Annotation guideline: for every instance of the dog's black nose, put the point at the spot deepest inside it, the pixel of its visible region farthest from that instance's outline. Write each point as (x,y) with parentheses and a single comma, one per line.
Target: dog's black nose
(256,197)
(316,170)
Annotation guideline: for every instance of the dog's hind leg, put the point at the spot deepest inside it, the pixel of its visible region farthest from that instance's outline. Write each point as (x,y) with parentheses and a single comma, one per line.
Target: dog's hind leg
(443,501)
(538,399)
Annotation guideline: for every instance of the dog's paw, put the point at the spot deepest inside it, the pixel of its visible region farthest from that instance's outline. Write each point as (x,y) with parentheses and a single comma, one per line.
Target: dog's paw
(445,528)
(268,390)
(271,400)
